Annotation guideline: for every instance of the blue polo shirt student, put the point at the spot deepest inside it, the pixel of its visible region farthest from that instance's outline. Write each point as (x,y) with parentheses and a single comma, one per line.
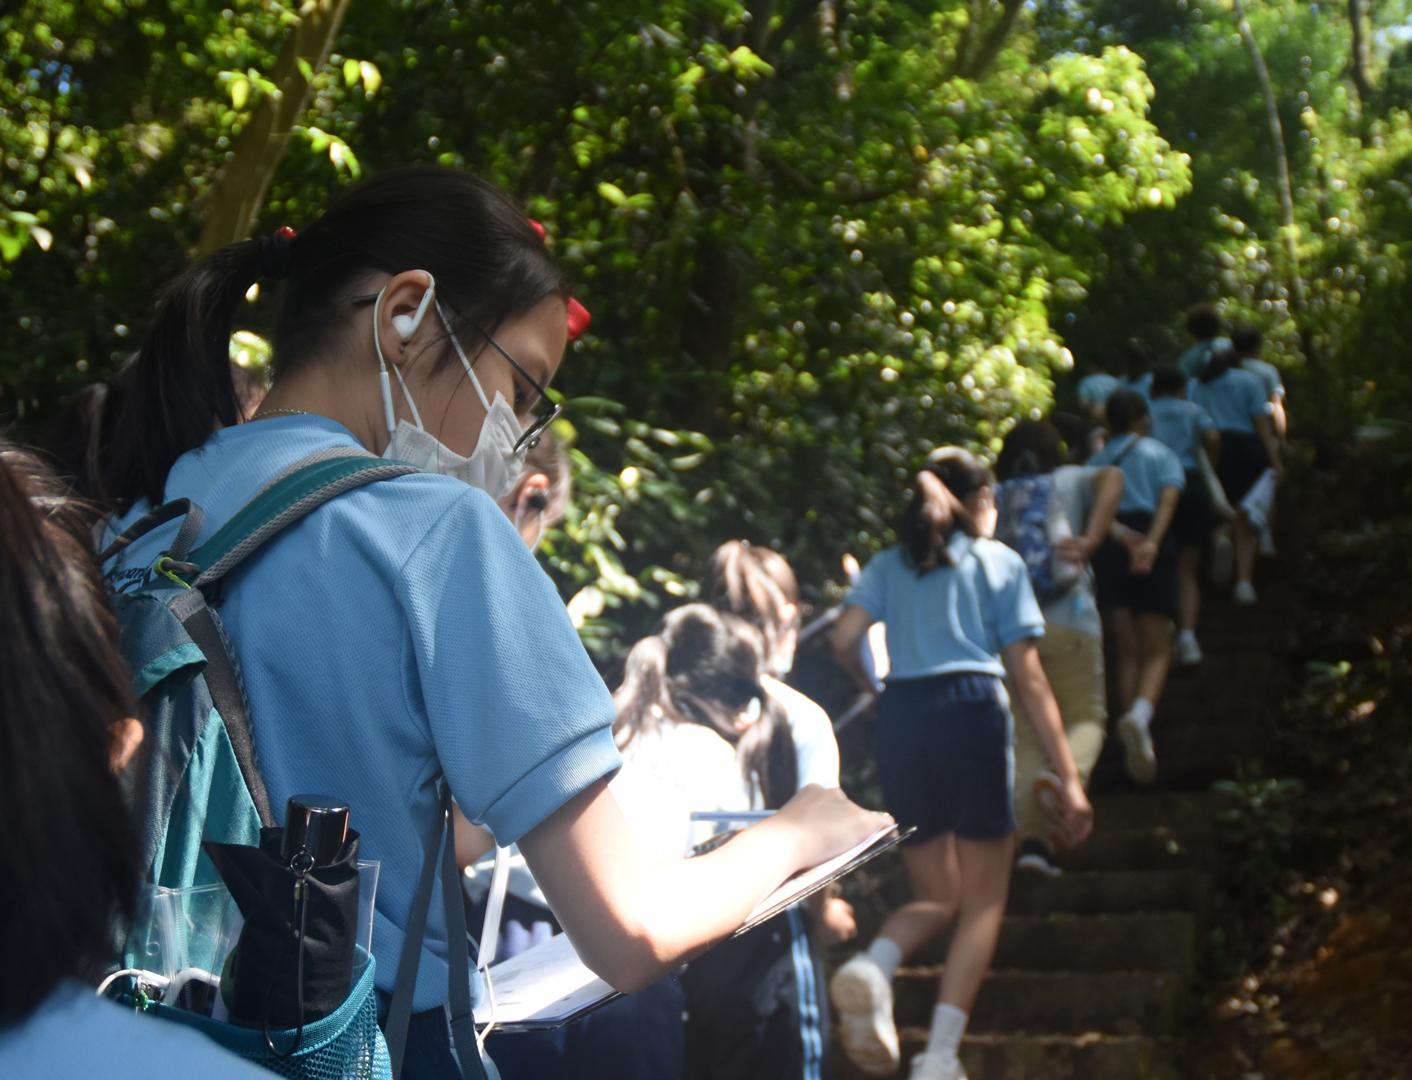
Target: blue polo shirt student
(1148,467)
(446,626)
(960,616)
(1233,400)
(1178,423)
(1237,403)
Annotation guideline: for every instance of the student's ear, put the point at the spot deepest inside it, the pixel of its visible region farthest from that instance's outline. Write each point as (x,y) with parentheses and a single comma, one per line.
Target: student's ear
(127,737)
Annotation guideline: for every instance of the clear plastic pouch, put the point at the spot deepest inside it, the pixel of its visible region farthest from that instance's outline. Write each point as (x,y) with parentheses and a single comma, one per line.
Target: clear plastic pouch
(182,938)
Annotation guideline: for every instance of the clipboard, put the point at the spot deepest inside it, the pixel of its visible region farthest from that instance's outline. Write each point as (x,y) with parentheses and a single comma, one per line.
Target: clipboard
(548,986)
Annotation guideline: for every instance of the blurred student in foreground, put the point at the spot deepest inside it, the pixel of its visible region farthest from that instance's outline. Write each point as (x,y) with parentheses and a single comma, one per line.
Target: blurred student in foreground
(66,840)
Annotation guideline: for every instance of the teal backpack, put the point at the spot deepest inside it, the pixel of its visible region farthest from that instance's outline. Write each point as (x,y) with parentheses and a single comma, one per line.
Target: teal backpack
(203,781)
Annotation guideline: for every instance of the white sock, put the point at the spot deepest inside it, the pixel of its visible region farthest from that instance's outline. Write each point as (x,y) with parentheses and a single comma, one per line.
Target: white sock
(885,953)
(1187,635)
(948,1025)
(1141,710)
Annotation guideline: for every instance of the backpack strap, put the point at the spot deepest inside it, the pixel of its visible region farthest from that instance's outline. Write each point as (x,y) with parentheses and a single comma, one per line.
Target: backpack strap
(297,492)
(227,691)
(458,966)
(186,535)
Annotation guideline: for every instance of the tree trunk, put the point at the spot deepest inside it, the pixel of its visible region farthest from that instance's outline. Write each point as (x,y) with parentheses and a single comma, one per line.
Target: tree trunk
(1361,78)
(1277,137)
(245,181)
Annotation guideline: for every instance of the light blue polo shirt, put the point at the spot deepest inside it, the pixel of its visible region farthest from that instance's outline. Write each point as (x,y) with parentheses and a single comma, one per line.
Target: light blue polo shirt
(74,1035)
(1096,389)
(1268,374)
(1178,424)
(400,629)
(1194,359)
(1233,400)
(951,619)
(1147,468)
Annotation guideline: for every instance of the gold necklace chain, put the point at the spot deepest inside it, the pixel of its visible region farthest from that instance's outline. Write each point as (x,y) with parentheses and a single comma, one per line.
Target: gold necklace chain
(278,412)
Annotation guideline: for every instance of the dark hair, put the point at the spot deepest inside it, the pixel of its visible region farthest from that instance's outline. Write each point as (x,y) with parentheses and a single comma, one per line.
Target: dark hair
(1246,340)
(1168,380)
(1074,430)
(703,666)
(1125,409)
(68,846)
(962,475)
(1203,322)
(1033,448)
(1140,357)
(757,584)
(1220,362)
(489,265)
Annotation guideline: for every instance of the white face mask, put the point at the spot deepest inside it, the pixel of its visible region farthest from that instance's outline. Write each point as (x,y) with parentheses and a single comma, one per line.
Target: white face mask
(493,466)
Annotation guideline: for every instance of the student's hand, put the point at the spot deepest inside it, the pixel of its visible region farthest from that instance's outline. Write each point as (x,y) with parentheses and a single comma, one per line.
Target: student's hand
(1076,549)
(1144,556)
(836,923)
(1077,813)
(825,823)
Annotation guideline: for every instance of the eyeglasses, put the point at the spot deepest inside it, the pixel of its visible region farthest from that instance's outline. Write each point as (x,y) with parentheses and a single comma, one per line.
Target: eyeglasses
(539,396)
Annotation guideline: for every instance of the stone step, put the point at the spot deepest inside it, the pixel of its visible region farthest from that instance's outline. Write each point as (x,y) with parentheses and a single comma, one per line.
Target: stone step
(1151,849)
(1060,1057)
(1054,1002)
(1113,891)
(1173,774)
(1182,811)
(1137,941)
(1091,1056)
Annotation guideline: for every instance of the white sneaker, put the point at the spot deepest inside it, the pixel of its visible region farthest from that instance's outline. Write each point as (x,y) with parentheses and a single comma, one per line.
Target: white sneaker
(862,996)
(1222,559)
(937,1067)
(1035,860)
(1138,754)
(1188,651)
(1267,543)
(1245,594)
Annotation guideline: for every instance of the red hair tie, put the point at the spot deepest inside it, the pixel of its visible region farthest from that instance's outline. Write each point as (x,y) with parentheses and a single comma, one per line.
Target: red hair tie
(579,317)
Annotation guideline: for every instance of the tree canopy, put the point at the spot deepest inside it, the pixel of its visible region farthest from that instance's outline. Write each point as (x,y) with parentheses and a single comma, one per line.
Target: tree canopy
(818,238)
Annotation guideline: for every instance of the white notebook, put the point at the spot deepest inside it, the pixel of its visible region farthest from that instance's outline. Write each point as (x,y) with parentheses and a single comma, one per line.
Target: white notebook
(547,986)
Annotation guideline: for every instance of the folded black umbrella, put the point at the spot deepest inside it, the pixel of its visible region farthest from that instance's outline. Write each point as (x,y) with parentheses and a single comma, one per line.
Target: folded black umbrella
(261,987)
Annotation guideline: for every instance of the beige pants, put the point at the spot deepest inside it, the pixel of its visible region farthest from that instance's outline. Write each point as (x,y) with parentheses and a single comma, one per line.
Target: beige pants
(1073,661)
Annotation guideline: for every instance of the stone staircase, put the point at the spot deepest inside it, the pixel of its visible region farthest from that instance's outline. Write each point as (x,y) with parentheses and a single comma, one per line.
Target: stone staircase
(1093,974)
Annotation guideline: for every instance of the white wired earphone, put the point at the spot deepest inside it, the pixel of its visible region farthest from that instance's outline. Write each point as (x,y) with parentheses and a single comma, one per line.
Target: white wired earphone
(406,327)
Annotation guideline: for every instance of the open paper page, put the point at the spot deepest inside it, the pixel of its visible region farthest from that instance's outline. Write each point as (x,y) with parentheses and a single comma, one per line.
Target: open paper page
(548,985)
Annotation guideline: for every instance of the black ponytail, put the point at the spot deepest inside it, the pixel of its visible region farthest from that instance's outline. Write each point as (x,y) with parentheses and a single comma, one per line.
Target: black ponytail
(180,389)
(962,475)
(489,263)
(703,666)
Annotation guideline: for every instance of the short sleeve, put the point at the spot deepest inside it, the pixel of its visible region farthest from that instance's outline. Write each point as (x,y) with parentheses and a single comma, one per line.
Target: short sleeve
(1169,469)
(1201,419)
(1017,614)
(520,719)
(870,593)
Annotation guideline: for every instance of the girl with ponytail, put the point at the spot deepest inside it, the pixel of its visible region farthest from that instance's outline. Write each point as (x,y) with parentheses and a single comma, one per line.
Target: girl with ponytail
(402,631)
(700,731)
(961,620)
